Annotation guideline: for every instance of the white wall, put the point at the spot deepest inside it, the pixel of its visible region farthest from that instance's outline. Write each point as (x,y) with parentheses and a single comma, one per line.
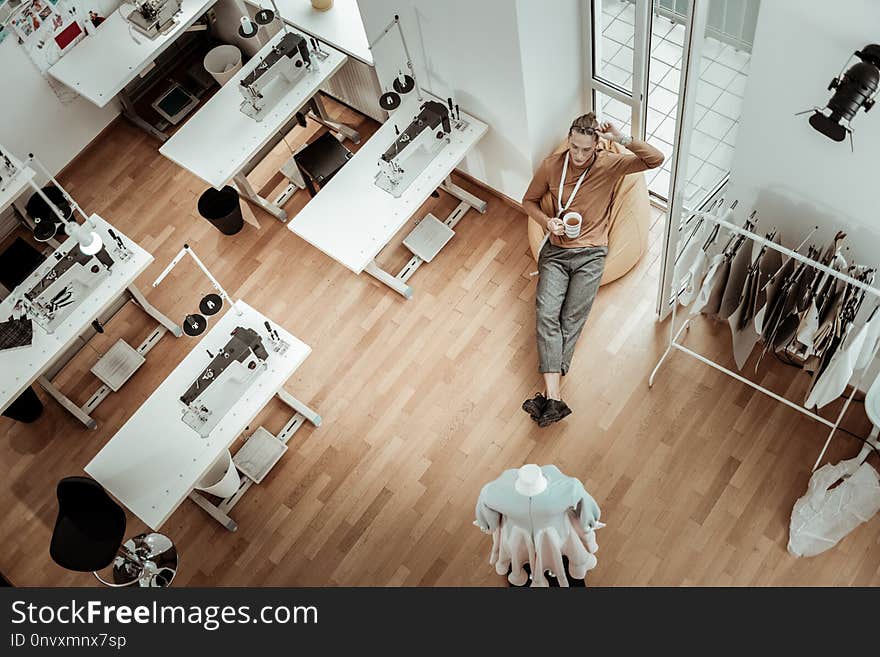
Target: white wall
(34,120)
(553,69)
(794,176)
(514,64)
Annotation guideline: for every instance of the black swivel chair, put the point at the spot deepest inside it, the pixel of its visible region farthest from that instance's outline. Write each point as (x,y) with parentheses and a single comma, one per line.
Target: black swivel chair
(18,261)
(321,160)
(88,537)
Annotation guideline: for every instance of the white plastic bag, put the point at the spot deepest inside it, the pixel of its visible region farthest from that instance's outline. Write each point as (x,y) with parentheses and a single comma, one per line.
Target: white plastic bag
(824,515)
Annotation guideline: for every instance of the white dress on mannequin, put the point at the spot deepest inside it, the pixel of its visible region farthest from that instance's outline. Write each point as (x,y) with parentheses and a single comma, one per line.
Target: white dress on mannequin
(539,529)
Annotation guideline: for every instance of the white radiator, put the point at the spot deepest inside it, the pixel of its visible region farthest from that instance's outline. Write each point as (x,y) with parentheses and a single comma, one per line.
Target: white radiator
(356,84)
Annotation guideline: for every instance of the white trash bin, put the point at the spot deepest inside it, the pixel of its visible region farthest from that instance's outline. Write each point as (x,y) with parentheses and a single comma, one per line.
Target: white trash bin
(223,62)
(222,478)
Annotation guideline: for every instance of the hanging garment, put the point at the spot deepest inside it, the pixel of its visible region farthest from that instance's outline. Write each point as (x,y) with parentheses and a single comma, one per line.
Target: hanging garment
(871,337)
(541,529)
(708,284)
(806,333)
(771,293)
(733,288)
(830,383)
(794,305)
(782,305)
(770,265)
(855,346)
(694,278)
(690,267)
(742,320)
(824,515)
(695,261)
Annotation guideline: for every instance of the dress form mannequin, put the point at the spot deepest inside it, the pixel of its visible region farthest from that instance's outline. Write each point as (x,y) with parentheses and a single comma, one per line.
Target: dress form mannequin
(537,516)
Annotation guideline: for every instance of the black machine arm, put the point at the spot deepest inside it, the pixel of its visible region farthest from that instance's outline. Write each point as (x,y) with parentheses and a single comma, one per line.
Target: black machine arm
(243,342)
(431,116)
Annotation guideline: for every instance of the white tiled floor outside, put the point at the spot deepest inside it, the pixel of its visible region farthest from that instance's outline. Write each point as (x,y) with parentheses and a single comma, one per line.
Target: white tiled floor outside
(723,74)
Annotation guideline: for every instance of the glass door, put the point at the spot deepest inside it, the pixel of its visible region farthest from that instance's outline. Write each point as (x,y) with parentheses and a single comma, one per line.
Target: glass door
(618,80)
(636,66)
(714,67)
(673,72)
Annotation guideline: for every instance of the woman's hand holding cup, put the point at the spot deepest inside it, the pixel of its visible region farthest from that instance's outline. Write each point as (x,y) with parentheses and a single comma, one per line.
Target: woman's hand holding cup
(555,226)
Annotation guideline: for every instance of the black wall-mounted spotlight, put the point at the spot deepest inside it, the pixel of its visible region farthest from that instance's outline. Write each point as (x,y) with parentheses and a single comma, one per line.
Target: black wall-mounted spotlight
(854,88)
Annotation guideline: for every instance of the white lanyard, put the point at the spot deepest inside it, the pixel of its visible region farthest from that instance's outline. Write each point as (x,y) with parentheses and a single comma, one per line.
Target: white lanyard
(576,187)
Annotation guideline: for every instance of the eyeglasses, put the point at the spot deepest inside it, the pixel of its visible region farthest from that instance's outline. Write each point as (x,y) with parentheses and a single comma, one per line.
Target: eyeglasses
(582,130)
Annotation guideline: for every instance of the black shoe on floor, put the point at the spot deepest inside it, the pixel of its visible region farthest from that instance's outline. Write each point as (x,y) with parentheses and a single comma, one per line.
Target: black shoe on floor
(535,406)
(554,411)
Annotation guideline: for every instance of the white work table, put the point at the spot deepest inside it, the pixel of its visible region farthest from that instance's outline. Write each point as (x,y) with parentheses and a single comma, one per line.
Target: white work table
(219,143)
(341,26)
(351,219)
(155,460)
(12,187)
(102,64)
(21,366)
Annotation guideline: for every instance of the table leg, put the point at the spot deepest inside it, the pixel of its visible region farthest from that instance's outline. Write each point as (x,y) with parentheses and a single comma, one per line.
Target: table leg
(393,282)
(299,407)
(246,191)
(65,401)
(323,118)
(462,195)
(291,171)
(131,114)
(153,312)
(213,511)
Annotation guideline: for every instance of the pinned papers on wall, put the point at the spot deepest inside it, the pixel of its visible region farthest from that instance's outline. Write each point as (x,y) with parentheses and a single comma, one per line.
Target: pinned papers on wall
(46,29)
(7,8)
(68,35)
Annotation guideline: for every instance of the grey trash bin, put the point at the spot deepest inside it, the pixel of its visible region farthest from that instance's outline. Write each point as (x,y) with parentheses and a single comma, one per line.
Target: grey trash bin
(223,209)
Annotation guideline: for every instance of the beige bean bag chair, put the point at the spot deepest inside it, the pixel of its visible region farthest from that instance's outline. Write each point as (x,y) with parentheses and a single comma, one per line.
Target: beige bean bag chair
(630,220)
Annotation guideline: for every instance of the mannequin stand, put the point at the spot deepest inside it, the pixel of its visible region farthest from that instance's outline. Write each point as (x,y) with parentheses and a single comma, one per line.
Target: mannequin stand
(554,582)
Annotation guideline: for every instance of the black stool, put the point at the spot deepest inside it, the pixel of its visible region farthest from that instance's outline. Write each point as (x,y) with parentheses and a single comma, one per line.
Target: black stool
(18,261)
(26,408)
(46,223)
(321,160)
(88,537)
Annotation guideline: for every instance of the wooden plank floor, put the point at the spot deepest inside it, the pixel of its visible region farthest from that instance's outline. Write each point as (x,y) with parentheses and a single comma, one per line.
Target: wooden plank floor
(696,477)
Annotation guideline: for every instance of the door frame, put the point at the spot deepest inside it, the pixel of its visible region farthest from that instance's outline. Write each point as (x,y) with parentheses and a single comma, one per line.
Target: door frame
(637,98)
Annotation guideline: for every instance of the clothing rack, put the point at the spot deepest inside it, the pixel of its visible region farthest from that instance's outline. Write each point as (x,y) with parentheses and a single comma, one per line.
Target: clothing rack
(675,334)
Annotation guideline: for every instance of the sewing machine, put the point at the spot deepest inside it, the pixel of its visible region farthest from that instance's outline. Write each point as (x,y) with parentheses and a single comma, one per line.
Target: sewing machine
(225,380)
(414,148)
(288,60)
(153,17)
(65,286)
(8,169)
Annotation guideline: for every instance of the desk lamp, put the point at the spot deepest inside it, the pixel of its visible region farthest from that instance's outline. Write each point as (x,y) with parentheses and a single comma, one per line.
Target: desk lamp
(89,241)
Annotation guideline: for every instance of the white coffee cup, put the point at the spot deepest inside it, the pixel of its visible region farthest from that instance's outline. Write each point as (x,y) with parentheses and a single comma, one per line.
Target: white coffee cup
(571,223)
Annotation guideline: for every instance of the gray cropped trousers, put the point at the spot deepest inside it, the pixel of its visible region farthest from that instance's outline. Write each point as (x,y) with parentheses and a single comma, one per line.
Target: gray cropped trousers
(568,283)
